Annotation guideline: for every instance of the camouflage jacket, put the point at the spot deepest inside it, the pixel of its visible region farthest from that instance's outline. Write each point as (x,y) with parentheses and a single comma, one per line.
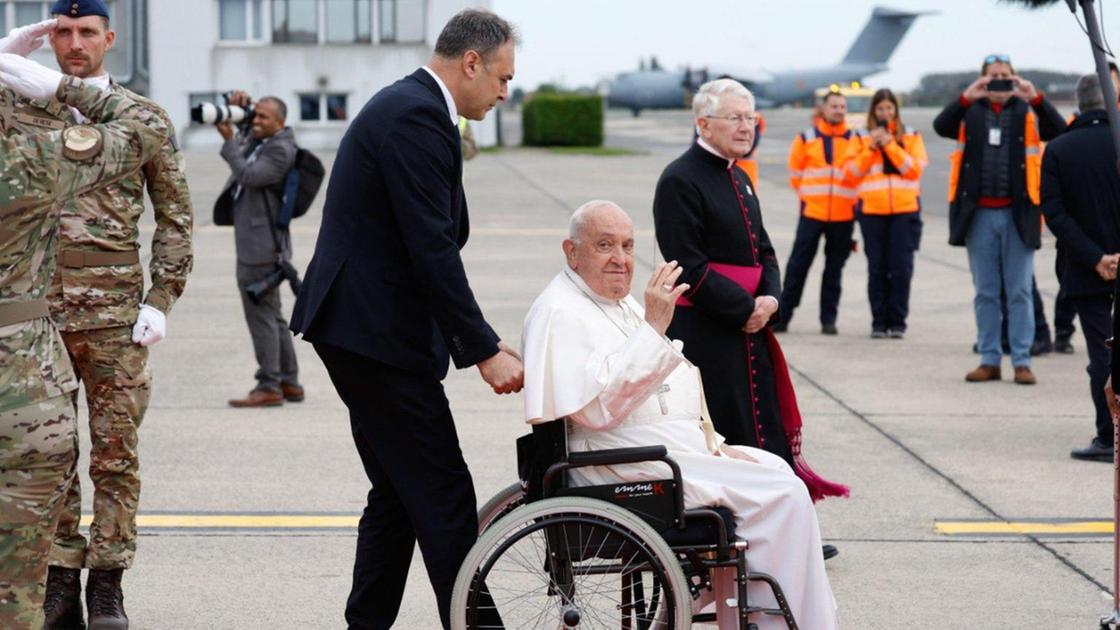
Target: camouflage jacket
(107,220)
(35,172)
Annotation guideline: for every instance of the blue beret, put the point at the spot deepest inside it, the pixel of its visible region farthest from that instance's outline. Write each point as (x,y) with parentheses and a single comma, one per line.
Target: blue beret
(80,8)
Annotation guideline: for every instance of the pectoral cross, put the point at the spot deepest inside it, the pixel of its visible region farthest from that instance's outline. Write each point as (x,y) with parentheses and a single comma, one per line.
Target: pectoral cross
(661,391)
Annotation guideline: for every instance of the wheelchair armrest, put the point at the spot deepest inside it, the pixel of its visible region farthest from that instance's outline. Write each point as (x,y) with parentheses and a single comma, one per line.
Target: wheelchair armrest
(613,456)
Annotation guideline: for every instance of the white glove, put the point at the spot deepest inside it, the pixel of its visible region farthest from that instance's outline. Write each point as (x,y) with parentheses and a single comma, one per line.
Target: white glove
(150,327)
(28,78)
(25,40)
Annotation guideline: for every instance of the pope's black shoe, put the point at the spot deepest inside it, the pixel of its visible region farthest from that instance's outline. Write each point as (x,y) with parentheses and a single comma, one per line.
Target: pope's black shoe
(1097,451)
(63,603)
(829,551)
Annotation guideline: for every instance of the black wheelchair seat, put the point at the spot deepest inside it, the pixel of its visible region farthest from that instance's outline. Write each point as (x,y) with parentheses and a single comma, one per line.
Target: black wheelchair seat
(701,528)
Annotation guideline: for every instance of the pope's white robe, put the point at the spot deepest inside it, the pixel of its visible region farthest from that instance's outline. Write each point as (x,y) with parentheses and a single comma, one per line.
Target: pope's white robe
(599,363)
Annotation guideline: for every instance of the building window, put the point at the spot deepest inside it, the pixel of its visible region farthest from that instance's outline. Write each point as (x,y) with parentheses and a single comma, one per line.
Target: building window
(322,107)
(348,21)
(400,21)
(387,20)
(239,20)
(295,21)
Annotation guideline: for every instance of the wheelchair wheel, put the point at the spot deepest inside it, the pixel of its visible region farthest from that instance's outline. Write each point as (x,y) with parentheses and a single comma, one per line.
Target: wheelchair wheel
(507,500)
(571,562)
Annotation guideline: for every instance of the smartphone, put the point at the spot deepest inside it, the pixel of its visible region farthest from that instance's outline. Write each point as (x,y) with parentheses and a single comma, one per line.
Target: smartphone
(1001,85)
(879,122)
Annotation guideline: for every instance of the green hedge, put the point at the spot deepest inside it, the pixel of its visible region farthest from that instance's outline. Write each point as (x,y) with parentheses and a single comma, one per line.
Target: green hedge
(562,120)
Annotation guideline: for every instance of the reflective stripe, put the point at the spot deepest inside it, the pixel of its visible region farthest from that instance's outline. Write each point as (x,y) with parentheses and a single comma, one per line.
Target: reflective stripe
(796,174)
(1033,150)
(907,164)
(825,190)
(960,146)
(881,184)
(823,172)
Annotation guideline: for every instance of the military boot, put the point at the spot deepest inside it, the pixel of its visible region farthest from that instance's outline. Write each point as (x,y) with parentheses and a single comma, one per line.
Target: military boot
(104,600)
(63,603)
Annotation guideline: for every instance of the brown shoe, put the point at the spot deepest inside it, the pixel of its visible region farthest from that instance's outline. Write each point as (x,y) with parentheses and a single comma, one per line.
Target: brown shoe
(292,393)
(259,398)
(983,373)
(1024,376)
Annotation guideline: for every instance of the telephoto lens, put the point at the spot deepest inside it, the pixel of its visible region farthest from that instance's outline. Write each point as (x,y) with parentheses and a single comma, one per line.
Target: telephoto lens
(213,113)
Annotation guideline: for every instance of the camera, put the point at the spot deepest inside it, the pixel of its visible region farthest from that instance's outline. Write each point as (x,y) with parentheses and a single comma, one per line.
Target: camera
(217,113)
(283,271)
(1001,85)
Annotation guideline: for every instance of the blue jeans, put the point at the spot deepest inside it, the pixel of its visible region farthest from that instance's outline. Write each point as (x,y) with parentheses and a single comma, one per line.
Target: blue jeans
(994,250)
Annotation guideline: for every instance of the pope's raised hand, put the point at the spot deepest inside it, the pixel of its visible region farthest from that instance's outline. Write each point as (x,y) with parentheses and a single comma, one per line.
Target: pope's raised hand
(661,295)
(28,78)
(24,40)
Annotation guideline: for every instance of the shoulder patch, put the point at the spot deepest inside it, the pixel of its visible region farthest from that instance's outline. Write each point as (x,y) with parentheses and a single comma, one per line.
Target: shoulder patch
(81,142)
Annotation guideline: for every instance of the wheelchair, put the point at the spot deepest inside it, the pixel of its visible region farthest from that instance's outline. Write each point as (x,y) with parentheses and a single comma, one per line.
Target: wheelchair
(626,555)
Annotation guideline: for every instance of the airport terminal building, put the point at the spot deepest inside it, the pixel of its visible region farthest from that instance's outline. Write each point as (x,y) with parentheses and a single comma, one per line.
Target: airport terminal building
(325,58)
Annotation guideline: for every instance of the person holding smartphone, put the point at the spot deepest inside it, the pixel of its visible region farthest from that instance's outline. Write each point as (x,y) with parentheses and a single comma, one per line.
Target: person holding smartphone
(999,122)
(887,160)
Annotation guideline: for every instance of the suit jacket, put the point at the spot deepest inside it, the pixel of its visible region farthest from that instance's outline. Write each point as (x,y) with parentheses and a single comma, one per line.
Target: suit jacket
(256,207)
(386,280)
(1080,199)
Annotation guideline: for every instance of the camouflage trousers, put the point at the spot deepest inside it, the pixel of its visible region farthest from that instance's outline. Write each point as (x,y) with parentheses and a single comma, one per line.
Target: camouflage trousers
(114,374)
(37,460)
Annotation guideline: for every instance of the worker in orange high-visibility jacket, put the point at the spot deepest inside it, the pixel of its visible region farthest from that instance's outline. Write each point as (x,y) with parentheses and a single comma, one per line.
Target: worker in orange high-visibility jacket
(818,173)
(887,161)
(749,162)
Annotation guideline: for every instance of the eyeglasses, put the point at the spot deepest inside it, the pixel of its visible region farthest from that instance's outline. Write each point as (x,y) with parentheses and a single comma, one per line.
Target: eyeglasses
(738,119)
(997,59)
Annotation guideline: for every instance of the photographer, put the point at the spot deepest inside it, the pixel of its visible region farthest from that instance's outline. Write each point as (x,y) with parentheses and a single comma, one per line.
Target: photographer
(999,122)
(260,158)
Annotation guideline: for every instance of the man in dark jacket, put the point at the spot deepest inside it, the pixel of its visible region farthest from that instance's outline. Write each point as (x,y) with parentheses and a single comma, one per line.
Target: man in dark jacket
(999,123)
(259,163)
(1080,198)
(386,302)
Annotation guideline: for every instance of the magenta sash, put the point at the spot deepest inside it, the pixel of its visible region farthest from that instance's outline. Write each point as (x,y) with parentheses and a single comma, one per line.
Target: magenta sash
(819,487)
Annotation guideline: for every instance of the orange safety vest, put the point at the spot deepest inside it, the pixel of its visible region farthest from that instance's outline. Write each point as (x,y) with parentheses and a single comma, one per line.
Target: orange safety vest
(1032,144)
(819,174)
(881,193)
(749,164)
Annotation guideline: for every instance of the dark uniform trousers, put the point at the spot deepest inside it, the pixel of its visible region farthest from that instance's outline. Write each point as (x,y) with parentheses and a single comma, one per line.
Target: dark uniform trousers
(272,342)
(1095,313)
(410,451)
(890,242)
(837,247)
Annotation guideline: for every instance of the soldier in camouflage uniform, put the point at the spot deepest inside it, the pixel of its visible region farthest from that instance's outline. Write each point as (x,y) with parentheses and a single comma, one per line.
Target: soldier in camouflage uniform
(37,420)
(97,300)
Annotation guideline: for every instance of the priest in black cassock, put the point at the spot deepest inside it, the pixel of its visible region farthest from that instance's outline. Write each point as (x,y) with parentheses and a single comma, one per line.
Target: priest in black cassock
(707,218)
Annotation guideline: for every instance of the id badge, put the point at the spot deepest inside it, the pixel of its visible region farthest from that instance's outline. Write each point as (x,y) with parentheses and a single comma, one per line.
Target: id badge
(994,136)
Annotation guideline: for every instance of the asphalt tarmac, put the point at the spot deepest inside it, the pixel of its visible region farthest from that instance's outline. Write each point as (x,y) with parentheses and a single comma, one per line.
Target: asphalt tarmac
(966,510)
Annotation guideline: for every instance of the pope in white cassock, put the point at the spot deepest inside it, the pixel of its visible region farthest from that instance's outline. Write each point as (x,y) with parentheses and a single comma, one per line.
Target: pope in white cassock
(593,354)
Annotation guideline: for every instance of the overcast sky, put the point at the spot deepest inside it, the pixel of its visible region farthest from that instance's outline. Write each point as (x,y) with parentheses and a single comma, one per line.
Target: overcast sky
(579,42)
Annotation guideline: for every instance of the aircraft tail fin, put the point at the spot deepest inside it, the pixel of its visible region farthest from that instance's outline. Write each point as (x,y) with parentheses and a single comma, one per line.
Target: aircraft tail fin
(881,36)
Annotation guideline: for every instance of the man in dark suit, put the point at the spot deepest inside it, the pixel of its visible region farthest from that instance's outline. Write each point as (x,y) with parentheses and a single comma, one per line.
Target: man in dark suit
(259,161)
(1080,197)
(386,301)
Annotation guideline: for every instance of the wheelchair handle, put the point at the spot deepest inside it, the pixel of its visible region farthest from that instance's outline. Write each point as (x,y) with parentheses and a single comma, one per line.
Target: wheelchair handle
(615,456)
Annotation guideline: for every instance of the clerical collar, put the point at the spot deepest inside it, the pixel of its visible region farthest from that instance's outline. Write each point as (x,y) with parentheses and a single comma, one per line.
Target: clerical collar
(707,147)
(451,109)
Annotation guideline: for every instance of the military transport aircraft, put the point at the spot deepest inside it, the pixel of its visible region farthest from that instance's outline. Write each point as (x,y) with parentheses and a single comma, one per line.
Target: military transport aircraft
(660,89)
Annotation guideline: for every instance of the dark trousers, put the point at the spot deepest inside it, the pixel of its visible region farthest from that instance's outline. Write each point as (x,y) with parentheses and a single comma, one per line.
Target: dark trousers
(272,341)
(1095,313)
(889,242)
(837,248)
(421,490)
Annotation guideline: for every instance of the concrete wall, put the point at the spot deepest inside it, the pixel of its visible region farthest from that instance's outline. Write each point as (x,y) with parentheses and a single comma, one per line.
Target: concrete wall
(187,57)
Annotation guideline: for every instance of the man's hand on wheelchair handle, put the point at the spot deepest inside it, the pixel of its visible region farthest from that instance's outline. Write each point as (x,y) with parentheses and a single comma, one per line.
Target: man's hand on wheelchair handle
(503,372)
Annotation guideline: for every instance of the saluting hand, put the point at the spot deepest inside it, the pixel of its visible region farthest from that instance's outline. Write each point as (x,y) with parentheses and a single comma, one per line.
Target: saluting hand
(661,295)
(25,40)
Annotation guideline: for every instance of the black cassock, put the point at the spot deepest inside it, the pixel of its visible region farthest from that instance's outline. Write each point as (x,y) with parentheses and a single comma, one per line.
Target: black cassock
(705,211)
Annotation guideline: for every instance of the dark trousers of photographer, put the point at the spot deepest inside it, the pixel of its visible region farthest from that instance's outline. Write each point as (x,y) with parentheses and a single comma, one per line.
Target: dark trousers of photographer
(272,342)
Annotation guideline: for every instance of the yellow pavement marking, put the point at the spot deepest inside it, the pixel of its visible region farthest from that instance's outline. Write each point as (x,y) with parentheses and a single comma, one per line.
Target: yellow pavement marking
(242,521)
(965,528)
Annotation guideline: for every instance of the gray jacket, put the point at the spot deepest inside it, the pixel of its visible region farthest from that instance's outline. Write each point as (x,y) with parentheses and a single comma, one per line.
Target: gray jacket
(261,181)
